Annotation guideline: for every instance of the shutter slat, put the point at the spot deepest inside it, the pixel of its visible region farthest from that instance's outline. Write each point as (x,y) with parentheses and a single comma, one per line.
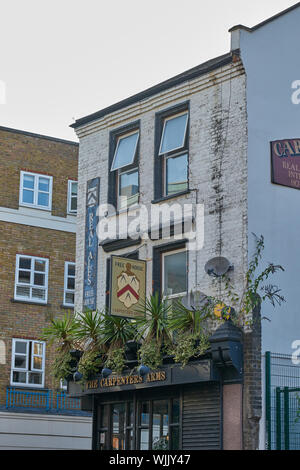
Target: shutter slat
(201,420)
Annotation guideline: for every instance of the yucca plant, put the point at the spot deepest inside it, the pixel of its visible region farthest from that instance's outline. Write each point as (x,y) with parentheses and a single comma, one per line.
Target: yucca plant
(191,321)
(153,329)
(63,334)
(89,335)
(153,322)
(116,332)
(89,329)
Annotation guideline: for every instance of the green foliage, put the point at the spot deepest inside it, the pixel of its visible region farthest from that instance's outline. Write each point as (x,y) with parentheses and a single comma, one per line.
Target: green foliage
(62,333)
(153,325)
(116,360)
(254,292)
(151,354)
(191,321)
(61,368)
(90,363)
(188,346)
(116,331)
(89,329)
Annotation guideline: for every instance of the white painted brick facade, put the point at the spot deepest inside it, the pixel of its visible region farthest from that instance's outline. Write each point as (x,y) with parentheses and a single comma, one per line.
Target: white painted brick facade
(217,172)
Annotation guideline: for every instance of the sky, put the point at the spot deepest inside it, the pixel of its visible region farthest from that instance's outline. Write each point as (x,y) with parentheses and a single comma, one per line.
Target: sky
(61,60)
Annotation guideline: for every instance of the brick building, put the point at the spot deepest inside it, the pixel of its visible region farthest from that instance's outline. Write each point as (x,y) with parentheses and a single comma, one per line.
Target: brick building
(38,204)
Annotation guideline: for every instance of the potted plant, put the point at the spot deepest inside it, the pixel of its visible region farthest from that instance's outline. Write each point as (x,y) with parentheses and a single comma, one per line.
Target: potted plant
(62,334)
(89,334)
(190,330)
(117,332)
(153,329)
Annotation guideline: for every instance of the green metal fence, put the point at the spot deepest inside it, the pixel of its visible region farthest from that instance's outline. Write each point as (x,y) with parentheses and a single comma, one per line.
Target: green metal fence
(282,380)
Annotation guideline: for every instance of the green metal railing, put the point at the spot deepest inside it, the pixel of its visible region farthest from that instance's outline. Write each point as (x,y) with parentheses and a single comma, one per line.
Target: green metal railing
(282,381)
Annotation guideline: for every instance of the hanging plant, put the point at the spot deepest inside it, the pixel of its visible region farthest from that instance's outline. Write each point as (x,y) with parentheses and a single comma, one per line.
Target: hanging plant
(116,360)
(150,354)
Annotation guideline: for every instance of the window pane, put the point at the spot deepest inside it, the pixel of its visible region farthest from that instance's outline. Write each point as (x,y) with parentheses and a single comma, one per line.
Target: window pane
(23,291)
(71,269)
(71,283)
(27,196)
(160,425)
(39,294)
(25,263)
(40,265)
(69,298)
(39,279)
(20,362)
(38,349)
(20,347)
(177,174)
(19,377)
(145,413)
(129,186)
(125,151)
(144,439)
(35,378)
(44,184)
(37,363)
(43,199)
(174,133)
(74,189)
(175,273)
(28,181)
(73,204)
(24,277)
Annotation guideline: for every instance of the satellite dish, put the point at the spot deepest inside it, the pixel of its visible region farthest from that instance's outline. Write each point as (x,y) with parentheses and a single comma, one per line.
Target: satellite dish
(218,266)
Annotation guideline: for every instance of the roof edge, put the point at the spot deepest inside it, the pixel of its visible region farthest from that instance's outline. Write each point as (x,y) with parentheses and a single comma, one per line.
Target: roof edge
(39,136)
(194,72)
(263,23)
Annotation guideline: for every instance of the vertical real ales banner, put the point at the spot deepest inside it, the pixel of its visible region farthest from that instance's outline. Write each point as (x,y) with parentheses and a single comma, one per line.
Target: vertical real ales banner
(91,245)
(127,287)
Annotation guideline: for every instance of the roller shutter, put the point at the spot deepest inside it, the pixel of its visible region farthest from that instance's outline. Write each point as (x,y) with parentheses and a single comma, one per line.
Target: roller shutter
(201,417)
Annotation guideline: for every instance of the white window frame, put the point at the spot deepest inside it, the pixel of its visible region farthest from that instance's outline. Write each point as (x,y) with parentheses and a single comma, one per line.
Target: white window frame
(121,137)
(66,290)
(31,285)
(27,370)
(70,183)
(164,255)
(35,190)
(169,118)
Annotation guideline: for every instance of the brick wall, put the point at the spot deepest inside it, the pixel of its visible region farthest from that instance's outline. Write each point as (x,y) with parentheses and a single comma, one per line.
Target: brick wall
(38,154)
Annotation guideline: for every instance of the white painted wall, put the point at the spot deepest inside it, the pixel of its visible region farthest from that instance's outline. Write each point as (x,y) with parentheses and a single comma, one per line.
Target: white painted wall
(271,59)
(28,431)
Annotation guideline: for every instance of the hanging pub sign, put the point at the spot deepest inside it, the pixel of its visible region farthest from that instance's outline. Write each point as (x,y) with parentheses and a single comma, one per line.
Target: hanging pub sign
(285,162)
(127,287)
(91,245)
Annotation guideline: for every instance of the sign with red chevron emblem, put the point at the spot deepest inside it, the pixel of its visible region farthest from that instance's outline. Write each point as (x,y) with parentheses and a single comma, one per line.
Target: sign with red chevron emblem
(127,287)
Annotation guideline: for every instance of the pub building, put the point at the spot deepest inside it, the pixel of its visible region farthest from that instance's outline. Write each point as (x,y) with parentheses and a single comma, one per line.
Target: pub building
(178,149)
(168,409)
